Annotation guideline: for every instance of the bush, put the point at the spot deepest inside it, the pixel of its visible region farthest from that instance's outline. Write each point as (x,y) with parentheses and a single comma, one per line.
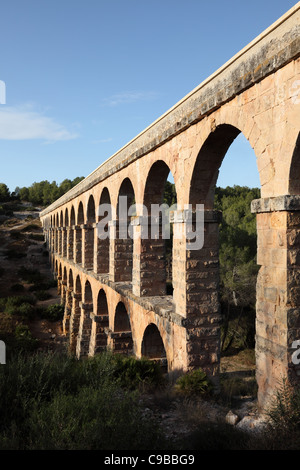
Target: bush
(194,382)
(30,275)
(285,409)
(42,295)
(52,401)
(24,338)
(53,312)
(134,373)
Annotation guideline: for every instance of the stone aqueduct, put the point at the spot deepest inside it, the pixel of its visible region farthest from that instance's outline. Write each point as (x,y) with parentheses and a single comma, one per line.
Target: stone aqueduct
(114,289)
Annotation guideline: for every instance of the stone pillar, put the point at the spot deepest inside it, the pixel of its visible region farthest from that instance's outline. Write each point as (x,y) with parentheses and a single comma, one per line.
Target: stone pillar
(98,341)
(59,285)
(196,284)
(59,240)
(88,247)
(119,341)
(120,254)
(51,240)
(63,292)
(63,241)
(278,293)
(101,253)
(68,310)
(70,243)
(77,244)
(74,321)
(55,242)
(149,263)
(84,332)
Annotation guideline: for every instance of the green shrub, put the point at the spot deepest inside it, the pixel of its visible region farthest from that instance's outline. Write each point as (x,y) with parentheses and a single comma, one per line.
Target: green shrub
(53,312)
(194,382)
(42,295)
(30,275)
(55,401)
(24,339)
(134,373)
(284,411)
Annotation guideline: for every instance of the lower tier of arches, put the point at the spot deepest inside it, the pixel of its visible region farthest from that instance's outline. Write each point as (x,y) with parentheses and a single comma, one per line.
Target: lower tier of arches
(100,314)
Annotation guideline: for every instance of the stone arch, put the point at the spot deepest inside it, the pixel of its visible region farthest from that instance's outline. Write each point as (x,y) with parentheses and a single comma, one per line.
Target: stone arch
(80,214)
(153,346)
(294,176)
(72,217)
(208,162)
(157,240)
(120,340)
(91,210)
(100,324)
(88,235)
(78,238)
(122,321)
(121,246)
(66,217)
(101,260)
(201,289)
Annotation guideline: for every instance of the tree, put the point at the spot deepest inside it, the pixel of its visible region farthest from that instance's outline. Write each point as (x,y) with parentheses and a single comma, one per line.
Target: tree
(238,268)
(4,193)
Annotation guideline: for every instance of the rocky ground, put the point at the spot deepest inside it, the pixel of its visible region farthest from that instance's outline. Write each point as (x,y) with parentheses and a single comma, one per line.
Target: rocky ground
(21,244)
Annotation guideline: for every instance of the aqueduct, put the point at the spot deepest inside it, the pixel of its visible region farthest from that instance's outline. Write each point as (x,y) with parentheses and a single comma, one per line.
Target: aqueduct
(114,289)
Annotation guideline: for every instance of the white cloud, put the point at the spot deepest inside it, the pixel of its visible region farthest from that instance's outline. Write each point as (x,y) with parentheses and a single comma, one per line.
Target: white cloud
(130,97)
(102,141)
(24,123)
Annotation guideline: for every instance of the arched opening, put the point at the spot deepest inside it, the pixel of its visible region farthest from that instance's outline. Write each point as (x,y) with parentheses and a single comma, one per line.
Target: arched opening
(78,235)
(65,233)
(225,269)
(122,245)
(80,214)
(122,322)
(153,346)
(294,186)
(102,245)
(70,235)
(100,324)
(88,242)
(157,248)
(121,338)
(72,217)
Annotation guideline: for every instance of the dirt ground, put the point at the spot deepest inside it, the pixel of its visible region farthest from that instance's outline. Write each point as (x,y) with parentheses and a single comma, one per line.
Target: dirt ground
(21,245)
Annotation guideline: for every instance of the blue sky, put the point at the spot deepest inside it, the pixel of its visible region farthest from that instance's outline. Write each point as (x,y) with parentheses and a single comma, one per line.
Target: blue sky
(83,78)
